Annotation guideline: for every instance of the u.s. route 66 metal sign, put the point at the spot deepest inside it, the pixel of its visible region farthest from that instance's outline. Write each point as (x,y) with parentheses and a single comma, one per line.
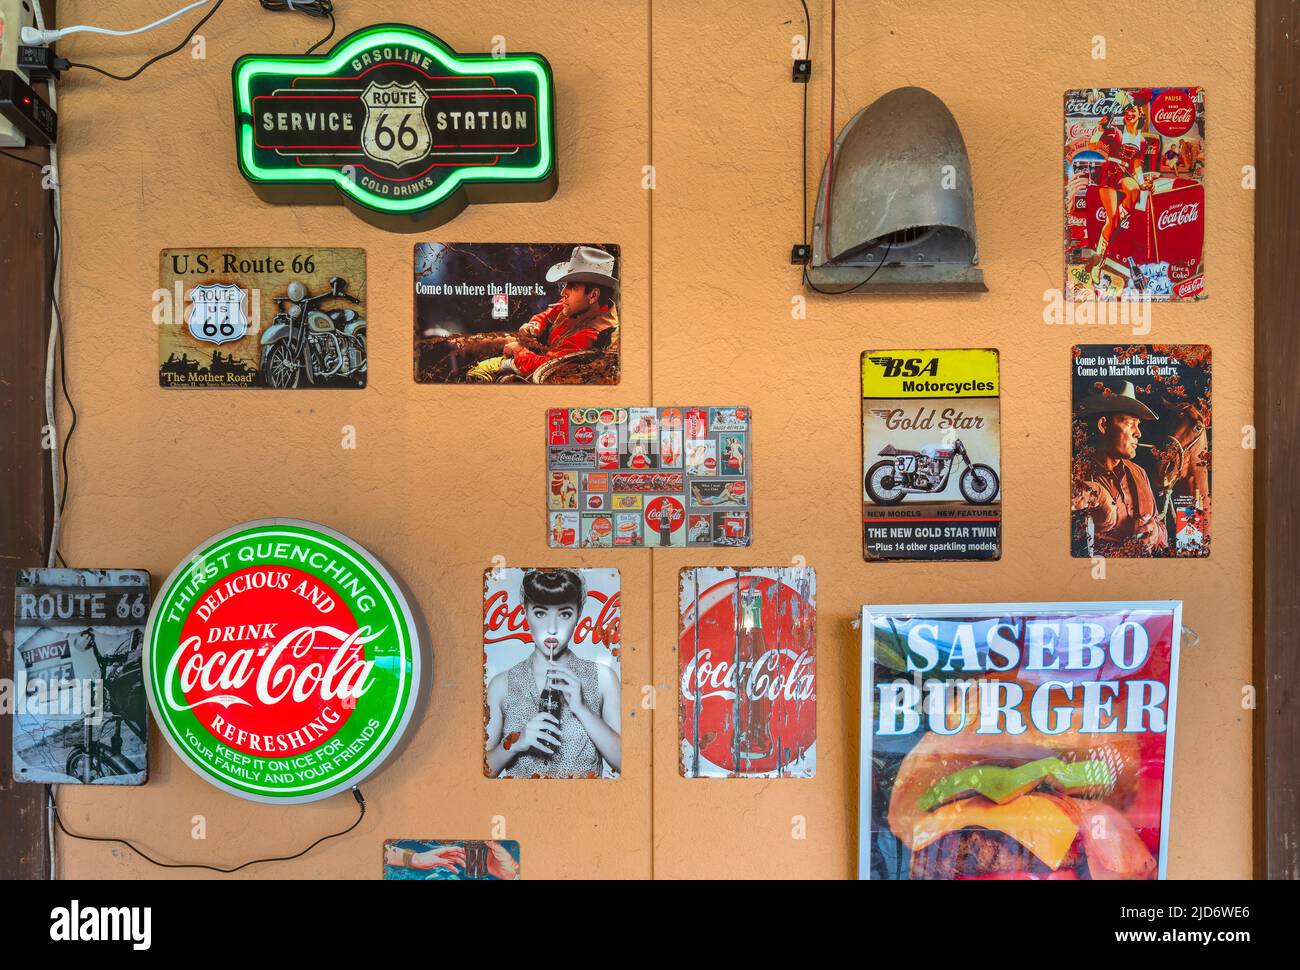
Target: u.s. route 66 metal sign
(397,126)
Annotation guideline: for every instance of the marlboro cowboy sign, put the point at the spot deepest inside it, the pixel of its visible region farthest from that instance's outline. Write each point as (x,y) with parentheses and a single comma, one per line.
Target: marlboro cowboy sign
(398,126)
(282,662)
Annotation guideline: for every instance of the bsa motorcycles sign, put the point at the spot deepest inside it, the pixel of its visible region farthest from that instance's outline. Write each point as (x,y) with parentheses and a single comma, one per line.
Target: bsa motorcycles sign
(281,661)
(398,126)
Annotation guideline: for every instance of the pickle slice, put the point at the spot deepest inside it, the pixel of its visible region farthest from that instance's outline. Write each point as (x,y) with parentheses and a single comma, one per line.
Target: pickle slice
(1092,778)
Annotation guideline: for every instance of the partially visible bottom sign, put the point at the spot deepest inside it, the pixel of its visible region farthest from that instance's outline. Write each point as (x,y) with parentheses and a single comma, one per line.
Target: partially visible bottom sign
(444,859)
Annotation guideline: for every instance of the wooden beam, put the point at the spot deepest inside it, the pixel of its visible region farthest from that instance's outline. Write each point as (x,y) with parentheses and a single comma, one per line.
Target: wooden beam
(1277,454)
(26,277)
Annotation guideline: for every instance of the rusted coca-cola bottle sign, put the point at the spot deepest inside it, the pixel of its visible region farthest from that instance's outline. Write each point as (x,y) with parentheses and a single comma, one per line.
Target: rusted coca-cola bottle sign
(281,661)
(748,688)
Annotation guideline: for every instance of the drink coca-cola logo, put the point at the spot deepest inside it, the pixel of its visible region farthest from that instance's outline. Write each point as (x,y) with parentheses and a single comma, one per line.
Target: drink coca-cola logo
(1172,112)
(281,661)
(1179,215)
(747,687)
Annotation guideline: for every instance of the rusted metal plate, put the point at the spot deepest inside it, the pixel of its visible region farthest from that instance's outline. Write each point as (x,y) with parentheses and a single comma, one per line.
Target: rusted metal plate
(79,715)
(1135,194)
(248,317)
(748,686)
(451,859)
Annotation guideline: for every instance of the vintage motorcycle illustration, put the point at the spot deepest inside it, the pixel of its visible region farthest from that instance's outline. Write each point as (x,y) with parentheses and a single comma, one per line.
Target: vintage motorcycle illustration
(124,702)
(304,341)
(905,472)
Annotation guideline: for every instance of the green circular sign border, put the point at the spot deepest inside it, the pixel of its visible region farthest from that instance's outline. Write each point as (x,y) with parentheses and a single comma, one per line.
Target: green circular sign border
(391,594)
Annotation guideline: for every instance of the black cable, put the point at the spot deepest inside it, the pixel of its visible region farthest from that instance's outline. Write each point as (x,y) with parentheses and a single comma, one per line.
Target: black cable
(63,368)
(157,57)
(857,286)
(333,24)
(312,8)
(63,365)
(356,793)
(807,53)
(888,246)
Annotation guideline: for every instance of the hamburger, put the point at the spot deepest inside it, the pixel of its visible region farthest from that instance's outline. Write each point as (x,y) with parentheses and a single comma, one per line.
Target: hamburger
(1027,806)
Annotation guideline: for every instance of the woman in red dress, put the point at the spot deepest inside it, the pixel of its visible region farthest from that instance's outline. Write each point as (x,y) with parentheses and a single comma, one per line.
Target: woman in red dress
(1120,178)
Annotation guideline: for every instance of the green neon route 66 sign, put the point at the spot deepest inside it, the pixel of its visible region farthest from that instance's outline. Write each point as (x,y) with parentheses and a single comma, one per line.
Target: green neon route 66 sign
(397,126)
(282,661)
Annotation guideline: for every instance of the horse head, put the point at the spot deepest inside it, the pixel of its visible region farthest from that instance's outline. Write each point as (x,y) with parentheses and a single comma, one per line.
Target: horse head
(1183,443)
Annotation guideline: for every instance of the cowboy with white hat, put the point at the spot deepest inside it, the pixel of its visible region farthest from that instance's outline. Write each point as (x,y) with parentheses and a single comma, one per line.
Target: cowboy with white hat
(586,310)
(1110,486)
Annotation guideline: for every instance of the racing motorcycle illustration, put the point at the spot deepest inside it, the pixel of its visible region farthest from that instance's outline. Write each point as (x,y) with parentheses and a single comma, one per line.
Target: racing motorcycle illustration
(905,472)
(305,341)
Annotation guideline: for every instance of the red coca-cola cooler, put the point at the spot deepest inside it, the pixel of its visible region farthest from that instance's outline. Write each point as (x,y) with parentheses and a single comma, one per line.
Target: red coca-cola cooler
(1170,228)
(734,525)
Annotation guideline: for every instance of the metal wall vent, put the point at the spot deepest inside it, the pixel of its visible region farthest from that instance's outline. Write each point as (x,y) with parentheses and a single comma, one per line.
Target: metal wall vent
(901,195)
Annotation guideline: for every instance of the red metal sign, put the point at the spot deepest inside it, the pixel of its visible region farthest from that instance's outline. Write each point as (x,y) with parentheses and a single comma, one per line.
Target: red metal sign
(748,690)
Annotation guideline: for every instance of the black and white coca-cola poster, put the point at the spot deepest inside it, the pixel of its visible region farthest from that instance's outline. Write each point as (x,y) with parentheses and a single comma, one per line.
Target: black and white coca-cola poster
(748,672)
(551,675)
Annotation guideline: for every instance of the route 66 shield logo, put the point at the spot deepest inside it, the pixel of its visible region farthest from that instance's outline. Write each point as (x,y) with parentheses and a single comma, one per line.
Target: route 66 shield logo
(396,130)
(218,313)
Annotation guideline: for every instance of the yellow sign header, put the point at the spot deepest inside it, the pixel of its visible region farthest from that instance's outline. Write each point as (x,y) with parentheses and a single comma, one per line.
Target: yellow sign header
(929,373)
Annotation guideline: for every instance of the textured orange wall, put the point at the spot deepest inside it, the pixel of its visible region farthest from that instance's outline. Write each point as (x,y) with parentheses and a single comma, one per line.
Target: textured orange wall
(444,478)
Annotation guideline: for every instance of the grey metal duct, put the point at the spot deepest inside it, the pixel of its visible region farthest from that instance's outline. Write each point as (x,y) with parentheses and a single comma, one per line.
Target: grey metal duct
(895,199)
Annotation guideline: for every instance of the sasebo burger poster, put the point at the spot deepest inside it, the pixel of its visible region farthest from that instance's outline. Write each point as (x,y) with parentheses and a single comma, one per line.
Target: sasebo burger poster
(1017,741)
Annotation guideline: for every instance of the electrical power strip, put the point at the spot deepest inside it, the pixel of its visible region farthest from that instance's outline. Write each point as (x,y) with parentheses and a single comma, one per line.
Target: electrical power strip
(14,16)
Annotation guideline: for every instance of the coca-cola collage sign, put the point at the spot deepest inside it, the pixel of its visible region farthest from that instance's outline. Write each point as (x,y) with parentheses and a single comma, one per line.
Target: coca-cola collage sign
(649,476)
(1135,194)
(748,680)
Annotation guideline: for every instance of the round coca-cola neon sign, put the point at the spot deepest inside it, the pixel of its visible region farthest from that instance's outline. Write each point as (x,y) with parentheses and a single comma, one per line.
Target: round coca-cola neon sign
(282,662)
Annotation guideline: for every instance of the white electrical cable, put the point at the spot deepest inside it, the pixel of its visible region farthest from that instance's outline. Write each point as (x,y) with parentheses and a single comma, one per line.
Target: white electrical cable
(38,36)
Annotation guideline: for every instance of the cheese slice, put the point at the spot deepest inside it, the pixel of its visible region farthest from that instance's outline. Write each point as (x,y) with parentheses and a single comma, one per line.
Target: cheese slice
(1035,821)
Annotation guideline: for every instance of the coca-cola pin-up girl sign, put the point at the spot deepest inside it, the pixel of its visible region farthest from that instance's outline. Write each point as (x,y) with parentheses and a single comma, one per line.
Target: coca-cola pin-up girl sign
(551,673)
(282,661)
(1135,194)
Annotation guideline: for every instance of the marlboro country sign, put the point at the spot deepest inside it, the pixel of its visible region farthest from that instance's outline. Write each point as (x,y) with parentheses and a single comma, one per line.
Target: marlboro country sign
(397,126)
(281,661)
